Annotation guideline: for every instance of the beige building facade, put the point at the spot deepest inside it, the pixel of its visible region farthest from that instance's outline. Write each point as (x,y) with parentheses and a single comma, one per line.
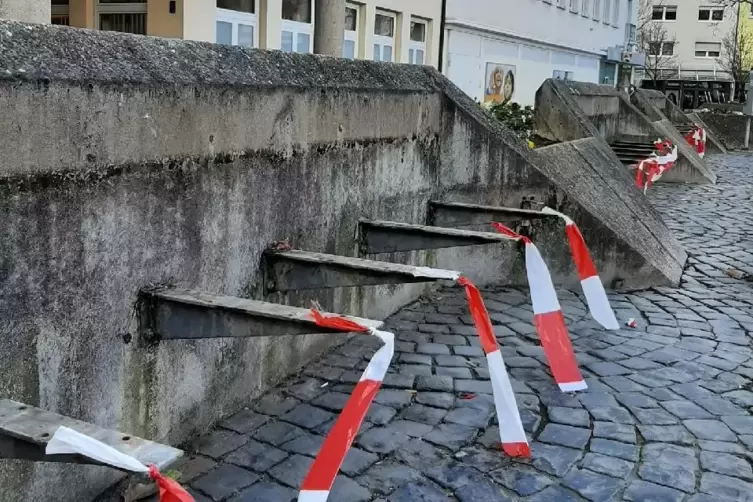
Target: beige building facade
(382,30)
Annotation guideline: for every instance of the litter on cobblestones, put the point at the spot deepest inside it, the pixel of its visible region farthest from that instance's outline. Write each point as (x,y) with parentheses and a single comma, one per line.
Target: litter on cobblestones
(548,318)
(631,323)
(593,289)
(511,433)
(320,478)
(66,441)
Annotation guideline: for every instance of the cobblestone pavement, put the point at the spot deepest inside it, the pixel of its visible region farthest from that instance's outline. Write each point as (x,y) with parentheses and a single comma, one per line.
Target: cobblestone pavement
(667,416)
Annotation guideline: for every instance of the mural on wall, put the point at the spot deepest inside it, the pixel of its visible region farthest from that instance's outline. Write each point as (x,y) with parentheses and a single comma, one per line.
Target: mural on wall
(500,82)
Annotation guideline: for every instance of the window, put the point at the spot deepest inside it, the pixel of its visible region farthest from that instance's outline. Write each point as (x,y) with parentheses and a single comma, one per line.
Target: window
(384,36)
(563,75)
(664,13)
(597,10)
(417,45)
(585,8)
(60,12)
(127,16)
(561,4)
(710,14)
(297,29)
(708,49)
(607,11)
(350,45)
(616,14)
(661,49)
(236,22)
(574,6)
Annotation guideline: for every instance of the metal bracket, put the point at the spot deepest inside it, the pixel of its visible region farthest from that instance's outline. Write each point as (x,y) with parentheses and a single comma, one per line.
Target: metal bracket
(25,431)
(390,237)
(448,214)
(174,314)
(301,270)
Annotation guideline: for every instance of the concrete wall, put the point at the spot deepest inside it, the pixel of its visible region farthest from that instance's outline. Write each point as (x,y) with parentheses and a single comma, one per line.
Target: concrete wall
(729,128)
(128,161)
(566,111)
(30,11)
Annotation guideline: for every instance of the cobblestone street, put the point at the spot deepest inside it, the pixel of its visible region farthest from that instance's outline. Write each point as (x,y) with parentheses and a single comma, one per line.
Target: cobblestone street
(666,417)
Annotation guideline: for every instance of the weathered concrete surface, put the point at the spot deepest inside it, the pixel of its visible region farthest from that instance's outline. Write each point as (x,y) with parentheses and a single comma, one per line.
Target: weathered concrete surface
(29,11)
(566,111)
(666,417)
(607,194)
(729,128)
(658,107)
(127,161)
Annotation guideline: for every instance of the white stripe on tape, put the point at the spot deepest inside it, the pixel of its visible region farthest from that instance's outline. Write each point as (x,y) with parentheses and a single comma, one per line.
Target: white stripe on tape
(573,386)
(508,416)
(313,496)
(598,303)
(543,296)
(380,361)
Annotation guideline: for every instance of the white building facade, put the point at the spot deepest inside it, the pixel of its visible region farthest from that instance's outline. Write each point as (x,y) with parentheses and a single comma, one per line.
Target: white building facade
(505,49)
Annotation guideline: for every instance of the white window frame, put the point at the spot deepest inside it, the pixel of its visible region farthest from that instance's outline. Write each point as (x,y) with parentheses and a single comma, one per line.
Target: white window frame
(597,10)
(119,8)
(235,17)
(664,9)
(353,35)
(382,40)
(707,51)
(61,13)
(606,16)
(297,28)
(574,6)
(561,4)
(585,8)
(661,49)
(711,14)
(414,46)
(616,13)
(569,75)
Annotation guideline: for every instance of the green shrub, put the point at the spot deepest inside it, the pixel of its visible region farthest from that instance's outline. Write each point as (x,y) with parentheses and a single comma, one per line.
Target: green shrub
(518,119)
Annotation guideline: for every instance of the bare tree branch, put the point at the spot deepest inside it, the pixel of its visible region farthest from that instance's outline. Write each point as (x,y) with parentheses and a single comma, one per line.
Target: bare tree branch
(737,55)
(654,40)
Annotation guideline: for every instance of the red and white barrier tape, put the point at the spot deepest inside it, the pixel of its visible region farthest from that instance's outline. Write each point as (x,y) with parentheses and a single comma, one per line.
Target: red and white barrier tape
(651,169)
(548,318)
(596,297)
(697,139)
(67,441)
(511,433)
(320,478)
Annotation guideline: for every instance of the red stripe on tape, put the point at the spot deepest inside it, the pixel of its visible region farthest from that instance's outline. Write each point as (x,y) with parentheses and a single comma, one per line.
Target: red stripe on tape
(330,458)
(509,232)
(480,316)
(583,262)
(517,449)
(557,347)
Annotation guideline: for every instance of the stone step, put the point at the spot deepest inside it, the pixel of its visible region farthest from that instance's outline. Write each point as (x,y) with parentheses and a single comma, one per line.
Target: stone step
(187,314)
(459,213)
(25,431)
(391,237)
(301,270)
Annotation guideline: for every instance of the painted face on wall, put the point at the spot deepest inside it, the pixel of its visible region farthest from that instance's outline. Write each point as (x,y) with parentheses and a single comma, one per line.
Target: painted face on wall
(509,89)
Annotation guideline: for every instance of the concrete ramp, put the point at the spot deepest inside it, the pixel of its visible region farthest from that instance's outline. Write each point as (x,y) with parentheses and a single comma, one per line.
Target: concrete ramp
(567,111)
(632,230)
(657,106)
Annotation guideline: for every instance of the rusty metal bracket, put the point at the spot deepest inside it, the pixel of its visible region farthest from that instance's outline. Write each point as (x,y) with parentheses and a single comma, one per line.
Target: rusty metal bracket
(390,237)
(175,314)
(25,431)
(302,270)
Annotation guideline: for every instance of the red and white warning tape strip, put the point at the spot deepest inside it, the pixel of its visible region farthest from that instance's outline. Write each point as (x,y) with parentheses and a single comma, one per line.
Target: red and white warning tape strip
(548,318)
(697,139)
(651,169)
(67,441)
(596,297)
(511,433)
(318,483)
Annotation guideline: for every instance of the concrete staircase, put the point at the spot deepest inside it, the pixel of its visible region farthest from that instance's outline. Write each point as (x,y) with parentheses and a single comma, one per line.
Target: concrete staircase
(631,153)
